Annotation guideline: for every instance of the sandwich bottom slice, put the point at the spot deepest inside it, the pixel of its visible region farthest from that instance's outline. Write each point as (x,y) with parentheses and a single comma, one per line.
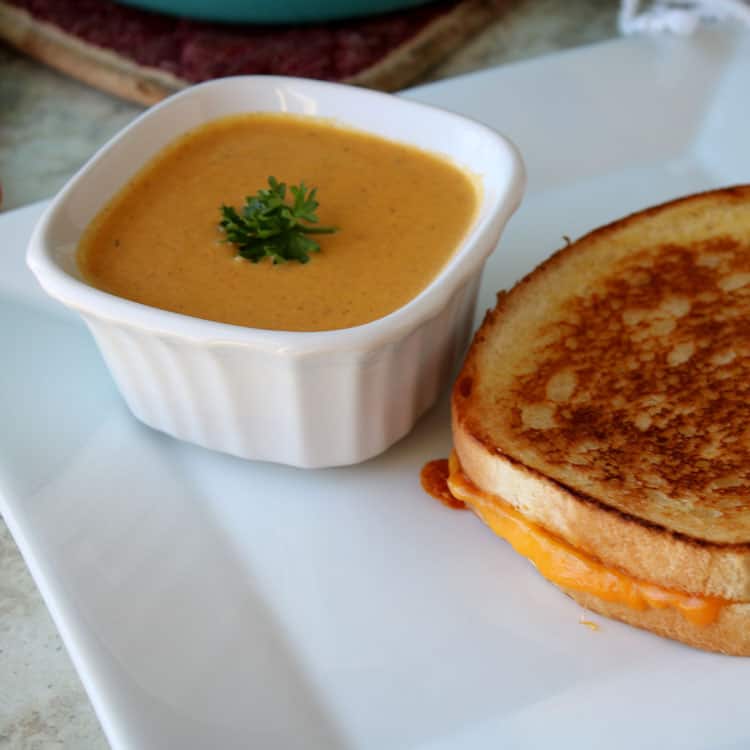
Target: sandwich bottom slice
(600,420)
(707,622)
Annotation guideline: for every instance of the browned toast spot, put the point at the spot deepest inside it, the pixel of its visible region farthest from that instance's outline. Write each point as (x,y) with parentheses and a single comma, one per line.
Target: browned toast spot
(645,380)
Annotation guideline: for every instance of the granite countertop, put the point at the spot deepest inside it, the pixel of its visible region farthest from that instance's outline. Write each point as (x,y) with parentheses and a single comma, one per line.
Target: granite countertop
(49,126)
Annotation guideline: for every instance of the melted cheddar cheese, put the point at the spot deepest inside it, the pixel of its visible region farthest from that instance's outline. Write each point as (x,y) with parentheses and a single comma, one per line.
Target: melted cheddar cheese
(565,566)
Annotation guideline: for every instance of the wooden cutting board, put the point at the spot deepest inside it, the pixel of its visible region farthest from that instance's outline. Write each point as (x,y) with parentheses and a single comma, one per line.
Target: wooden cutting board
(143,56)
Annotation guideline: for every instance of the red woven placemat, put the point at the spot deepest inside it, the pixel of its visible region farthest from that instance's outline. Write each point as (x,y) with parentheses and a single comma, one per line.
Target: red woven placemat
(144,56)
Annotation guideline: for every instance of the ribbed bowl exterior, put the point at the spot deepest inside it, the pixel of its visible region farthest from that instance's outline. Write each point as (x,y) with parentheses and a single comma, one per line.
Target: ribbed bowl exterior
(310,411)
(326,398)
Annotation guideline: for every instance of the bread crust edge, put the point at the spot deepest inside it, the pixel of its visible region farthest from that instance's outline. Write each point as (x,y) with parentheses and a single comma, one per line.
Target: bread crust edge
(728,634)
(639,549)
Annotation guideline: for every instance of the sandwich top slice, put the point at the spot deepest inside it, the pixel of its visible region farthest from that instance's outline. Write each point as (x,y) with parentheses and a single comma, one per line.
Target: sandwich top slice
(601,420)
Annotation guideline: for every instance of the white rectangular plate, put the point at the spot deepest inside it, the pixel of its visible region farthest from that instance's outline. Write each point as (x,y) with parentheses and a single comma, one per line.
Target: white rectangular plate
(211,602)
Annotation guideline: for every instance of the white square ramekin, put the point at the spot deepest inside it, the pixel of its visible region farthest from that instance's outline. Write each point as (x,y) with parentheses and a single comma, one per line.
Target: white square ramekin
(306,399)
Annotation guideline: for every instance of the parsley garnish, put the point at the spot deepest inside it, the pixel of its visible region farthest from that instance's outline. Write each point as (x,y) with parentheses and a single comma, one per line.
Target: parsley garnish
(269,226)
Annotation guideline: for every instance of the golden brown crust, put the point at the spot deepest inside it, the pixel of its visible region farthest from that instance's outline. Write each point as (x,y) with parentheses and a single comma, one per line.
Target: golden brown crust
(620,369)
(729,634)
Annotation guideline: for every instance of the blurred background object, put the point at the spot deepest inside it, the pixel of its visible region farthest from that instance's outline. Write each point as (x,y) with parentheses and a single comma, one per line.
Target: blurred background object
(273,11)
(682,17)
(144,56)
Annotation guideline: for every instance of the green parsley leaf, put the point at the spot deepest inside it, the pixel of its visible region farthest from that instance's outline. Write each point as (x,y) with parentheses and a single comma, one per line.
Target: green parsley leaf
(269,226)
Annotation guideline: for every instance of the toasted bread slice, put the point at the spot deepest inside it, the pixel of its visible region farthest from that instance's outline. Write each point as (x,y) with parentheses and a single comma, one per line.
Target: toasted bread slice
(607,396)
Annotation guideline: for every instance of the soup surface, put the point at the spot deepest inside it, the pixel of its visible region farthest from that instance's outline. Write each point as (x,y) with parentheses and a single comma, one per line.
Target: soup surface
(400,214)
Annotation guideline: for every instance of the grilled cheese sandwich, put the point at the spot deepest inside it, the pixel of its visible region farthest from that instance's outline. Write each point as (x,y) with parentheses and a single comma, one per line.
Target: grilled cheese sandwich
(600,420)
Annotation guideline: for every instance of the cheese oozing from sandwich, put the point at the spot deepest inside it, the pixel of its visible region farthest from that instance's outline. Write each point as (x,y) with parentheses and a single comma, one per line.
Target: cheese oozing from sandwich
(565,566)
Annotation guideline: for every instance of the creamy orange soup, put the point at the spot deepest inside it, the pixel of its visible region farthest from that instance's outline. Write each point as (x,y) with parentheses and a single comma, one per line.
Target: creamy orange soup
(400,214)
